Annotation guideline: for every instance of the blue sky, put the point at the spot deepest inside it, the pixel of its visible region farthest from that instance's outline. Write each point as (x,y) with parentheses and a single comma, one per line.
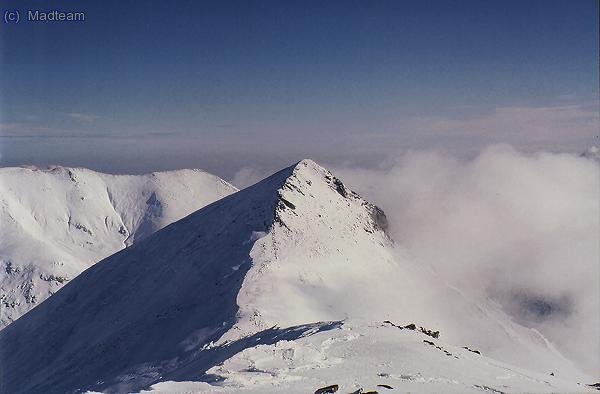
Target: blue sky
(152,85)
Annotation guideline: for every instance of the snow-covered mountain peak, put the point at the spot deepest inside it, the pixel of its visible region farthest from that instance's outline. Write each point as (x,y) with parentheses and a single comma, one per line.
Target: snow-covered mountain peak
(269,263)
(291,248)
(319,230)
(314,193)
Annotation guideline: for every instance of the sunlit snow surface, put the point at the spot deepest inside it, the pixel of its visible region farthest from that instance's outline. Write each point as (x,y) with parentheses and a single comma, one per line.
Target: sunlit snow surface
(357,355)
(232,297)
(56,222)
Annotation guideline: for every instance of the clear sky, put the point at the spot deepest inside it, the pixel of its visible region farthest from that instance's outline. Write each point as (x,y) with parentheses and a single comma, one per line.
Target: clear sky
(150,85)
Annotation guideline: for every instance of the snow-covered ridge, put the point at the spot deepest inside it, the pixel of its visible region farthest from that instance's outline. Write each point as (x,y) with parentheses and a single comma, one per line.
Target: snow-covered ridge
(286,260)
(56,222)
(373,357)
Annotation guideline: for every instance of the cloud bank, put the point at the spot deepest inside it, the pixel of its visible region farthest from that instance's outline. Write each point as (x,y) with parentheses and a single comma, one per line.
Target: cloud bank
(523,229)
(82,117)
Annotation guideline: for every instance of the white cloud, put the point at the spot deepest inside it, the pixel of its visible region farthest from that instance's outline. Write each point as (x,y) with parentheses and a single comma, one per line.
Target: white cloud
(533,128)
(248,176)
(85,118)
(524,229)
(538,122)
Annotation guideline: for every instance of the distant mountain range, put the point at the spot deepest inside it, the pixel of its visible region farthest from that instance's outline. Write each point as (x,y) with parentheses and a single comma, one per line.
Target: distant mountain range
(56,222)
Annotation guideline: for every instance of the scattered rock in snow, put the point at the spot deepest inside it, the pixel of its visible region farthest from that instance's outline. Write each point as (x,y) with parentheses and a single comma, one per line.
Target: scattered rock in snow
(433,334)
(487,388)
(10,269)
(328,389)
(79,226)
(340,187)
(54,278)
(379,219)
(478,352)
(287,203)
(412,326)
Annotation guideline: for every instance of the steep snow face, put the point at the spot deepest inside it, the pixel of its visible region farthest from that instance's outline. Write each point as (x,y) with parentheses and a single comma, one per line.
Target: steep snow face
(263,265)
(326,248)
(55,223)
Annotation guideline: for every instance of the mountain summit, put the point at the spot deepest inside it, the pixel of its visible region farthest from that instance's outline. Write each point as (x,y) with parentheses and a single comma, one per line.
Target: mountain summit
(296,255)
(163,298)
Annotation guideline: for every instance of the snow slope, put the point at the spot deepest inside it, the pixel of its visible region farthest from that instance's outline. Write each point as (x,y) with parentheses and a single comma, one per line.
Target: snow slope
(287,259)
(356,356)
(55,223)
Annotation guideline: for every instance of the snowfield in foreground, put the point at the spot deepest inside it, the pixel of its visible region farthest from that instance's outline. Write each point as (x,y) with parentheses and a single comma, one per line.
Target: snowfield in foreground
(57,222)
(377,357)
(287,284)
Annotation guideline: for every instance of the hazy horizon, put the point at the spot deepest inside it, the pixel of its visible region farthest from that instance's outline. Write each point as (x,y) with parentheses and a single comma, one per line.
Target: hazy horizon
(225,86)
